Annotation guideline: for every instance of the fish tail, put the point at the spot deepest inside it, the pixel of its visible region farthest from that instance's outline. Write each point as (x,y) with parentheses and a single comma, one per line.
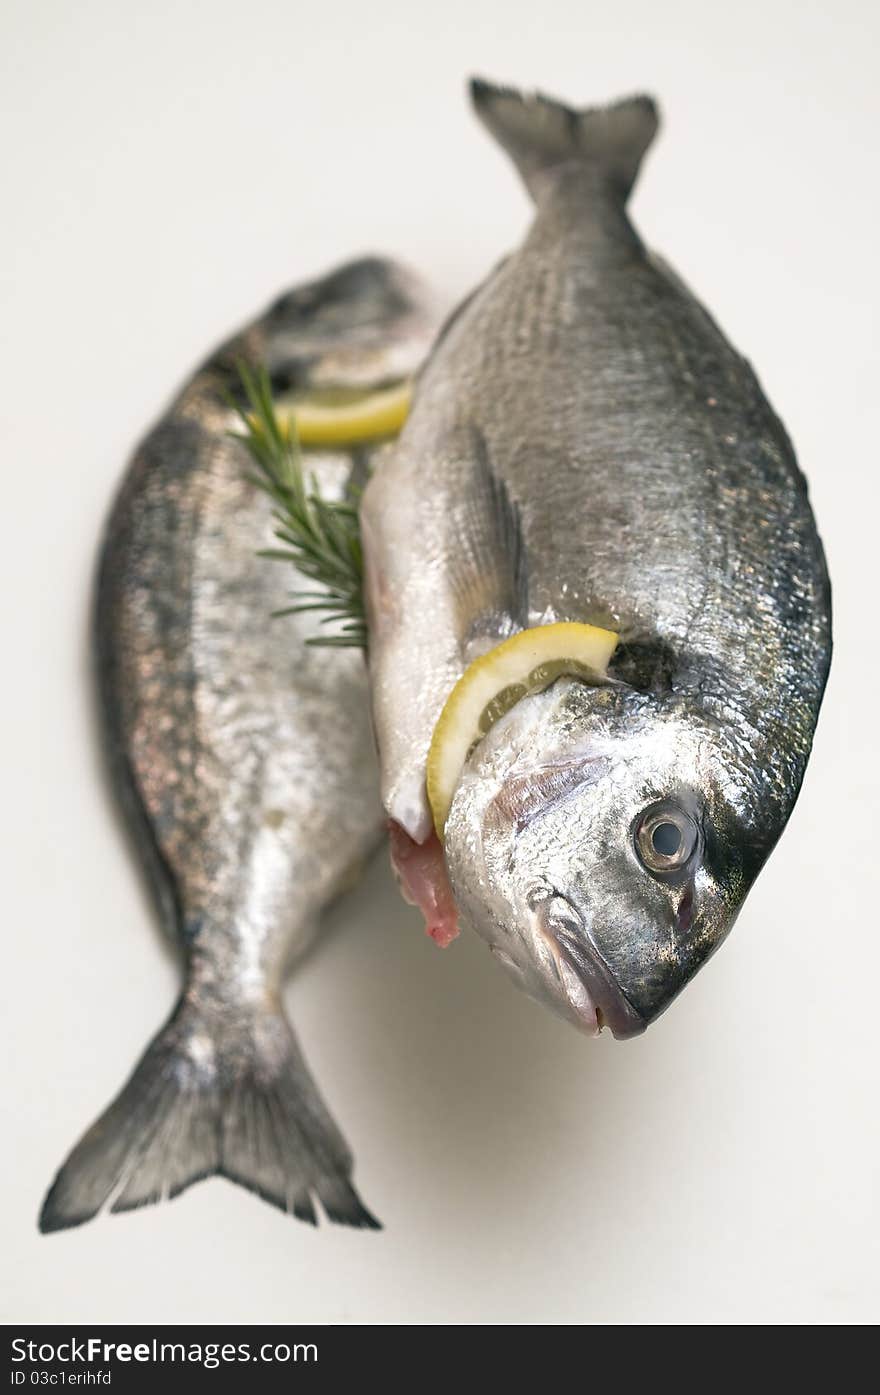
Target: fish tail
(541,135)
(214,1093)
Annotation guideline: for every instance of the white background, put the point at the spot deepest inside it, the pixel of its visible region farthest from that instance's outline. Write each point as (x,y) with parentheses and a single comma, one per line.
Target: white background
(167,168)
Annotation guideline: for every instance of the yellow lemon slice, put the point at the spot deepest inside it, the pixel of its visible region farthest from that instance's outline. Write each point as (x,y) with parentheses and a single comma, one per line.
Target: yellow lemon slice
(491,685)
(369,416)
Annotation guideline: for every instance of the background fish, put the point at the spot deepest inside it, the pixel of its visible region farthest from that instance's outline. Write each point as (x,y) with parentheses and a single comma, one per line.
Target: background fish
(586,446)
(245,764)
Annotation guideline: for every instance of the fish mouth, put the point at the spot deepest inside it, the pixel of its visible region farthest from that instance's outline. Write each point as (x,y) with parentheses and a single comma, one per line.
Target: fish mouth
(595,999)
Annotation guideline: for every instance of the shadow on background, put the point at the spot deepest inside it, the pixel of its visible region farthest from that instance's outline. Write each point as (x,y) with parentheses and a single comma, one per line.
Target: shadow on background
(475,1092)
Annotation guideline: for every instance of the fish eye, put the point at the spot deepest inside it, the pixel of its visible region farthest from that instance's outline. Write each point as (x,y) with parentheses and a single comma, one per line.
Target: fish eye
(665,838)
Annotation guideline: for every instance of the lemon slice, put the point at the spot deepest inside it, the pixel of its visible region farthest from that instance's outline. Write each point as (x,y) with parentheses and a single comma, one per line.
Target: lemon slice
(491,685)
(369,416)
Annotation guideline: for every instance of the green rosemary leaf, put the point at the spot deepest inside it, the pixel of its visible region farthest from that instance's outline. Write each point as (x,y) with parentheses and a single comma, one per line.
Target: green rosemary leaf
(278,554)
(301,606)
(320,537)
(352,641)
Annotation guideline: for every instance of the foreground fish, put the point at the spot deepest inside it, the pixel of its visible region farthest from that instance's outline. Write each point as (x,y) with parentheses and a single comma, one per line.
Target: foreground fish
(585,446)
(245,763)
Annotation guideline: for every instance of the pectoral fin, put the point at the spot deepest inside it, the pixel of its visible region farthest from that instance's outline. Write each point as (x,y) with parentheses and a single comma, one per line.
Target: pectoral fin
(488,575)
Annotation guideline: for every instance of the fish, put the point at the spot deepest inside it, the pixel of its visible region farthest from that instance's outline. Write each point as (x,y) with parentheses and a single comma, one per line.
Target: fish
(585,446)
(243,761)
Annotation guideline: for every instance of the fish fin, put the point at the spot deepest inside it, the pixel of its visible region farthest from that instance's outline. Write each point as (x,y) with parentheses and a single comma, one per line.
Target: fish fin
(488,570)
(226,1095)
(540,134)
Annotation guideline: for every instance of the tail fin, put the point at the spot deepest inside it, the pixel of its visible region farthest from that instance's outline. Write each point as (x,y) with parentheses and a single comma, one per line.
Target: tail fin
(232,1097)
(540,134)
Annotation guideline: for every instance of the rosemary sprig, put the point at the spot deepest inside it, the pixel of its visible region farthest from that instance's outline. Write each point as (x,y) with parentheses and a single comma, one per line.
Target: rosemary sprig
(319,536)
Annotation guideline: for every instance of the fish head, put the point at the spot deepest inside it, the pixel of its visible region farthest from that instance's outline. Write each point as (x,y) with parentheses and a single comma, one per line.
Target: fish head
(367,323)
(602,841)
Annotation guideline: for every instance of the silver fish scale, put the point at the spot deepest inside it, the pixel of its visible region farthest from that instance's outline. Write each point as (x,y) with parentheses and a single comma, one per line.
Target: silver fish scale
(260,791)
(669,502)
